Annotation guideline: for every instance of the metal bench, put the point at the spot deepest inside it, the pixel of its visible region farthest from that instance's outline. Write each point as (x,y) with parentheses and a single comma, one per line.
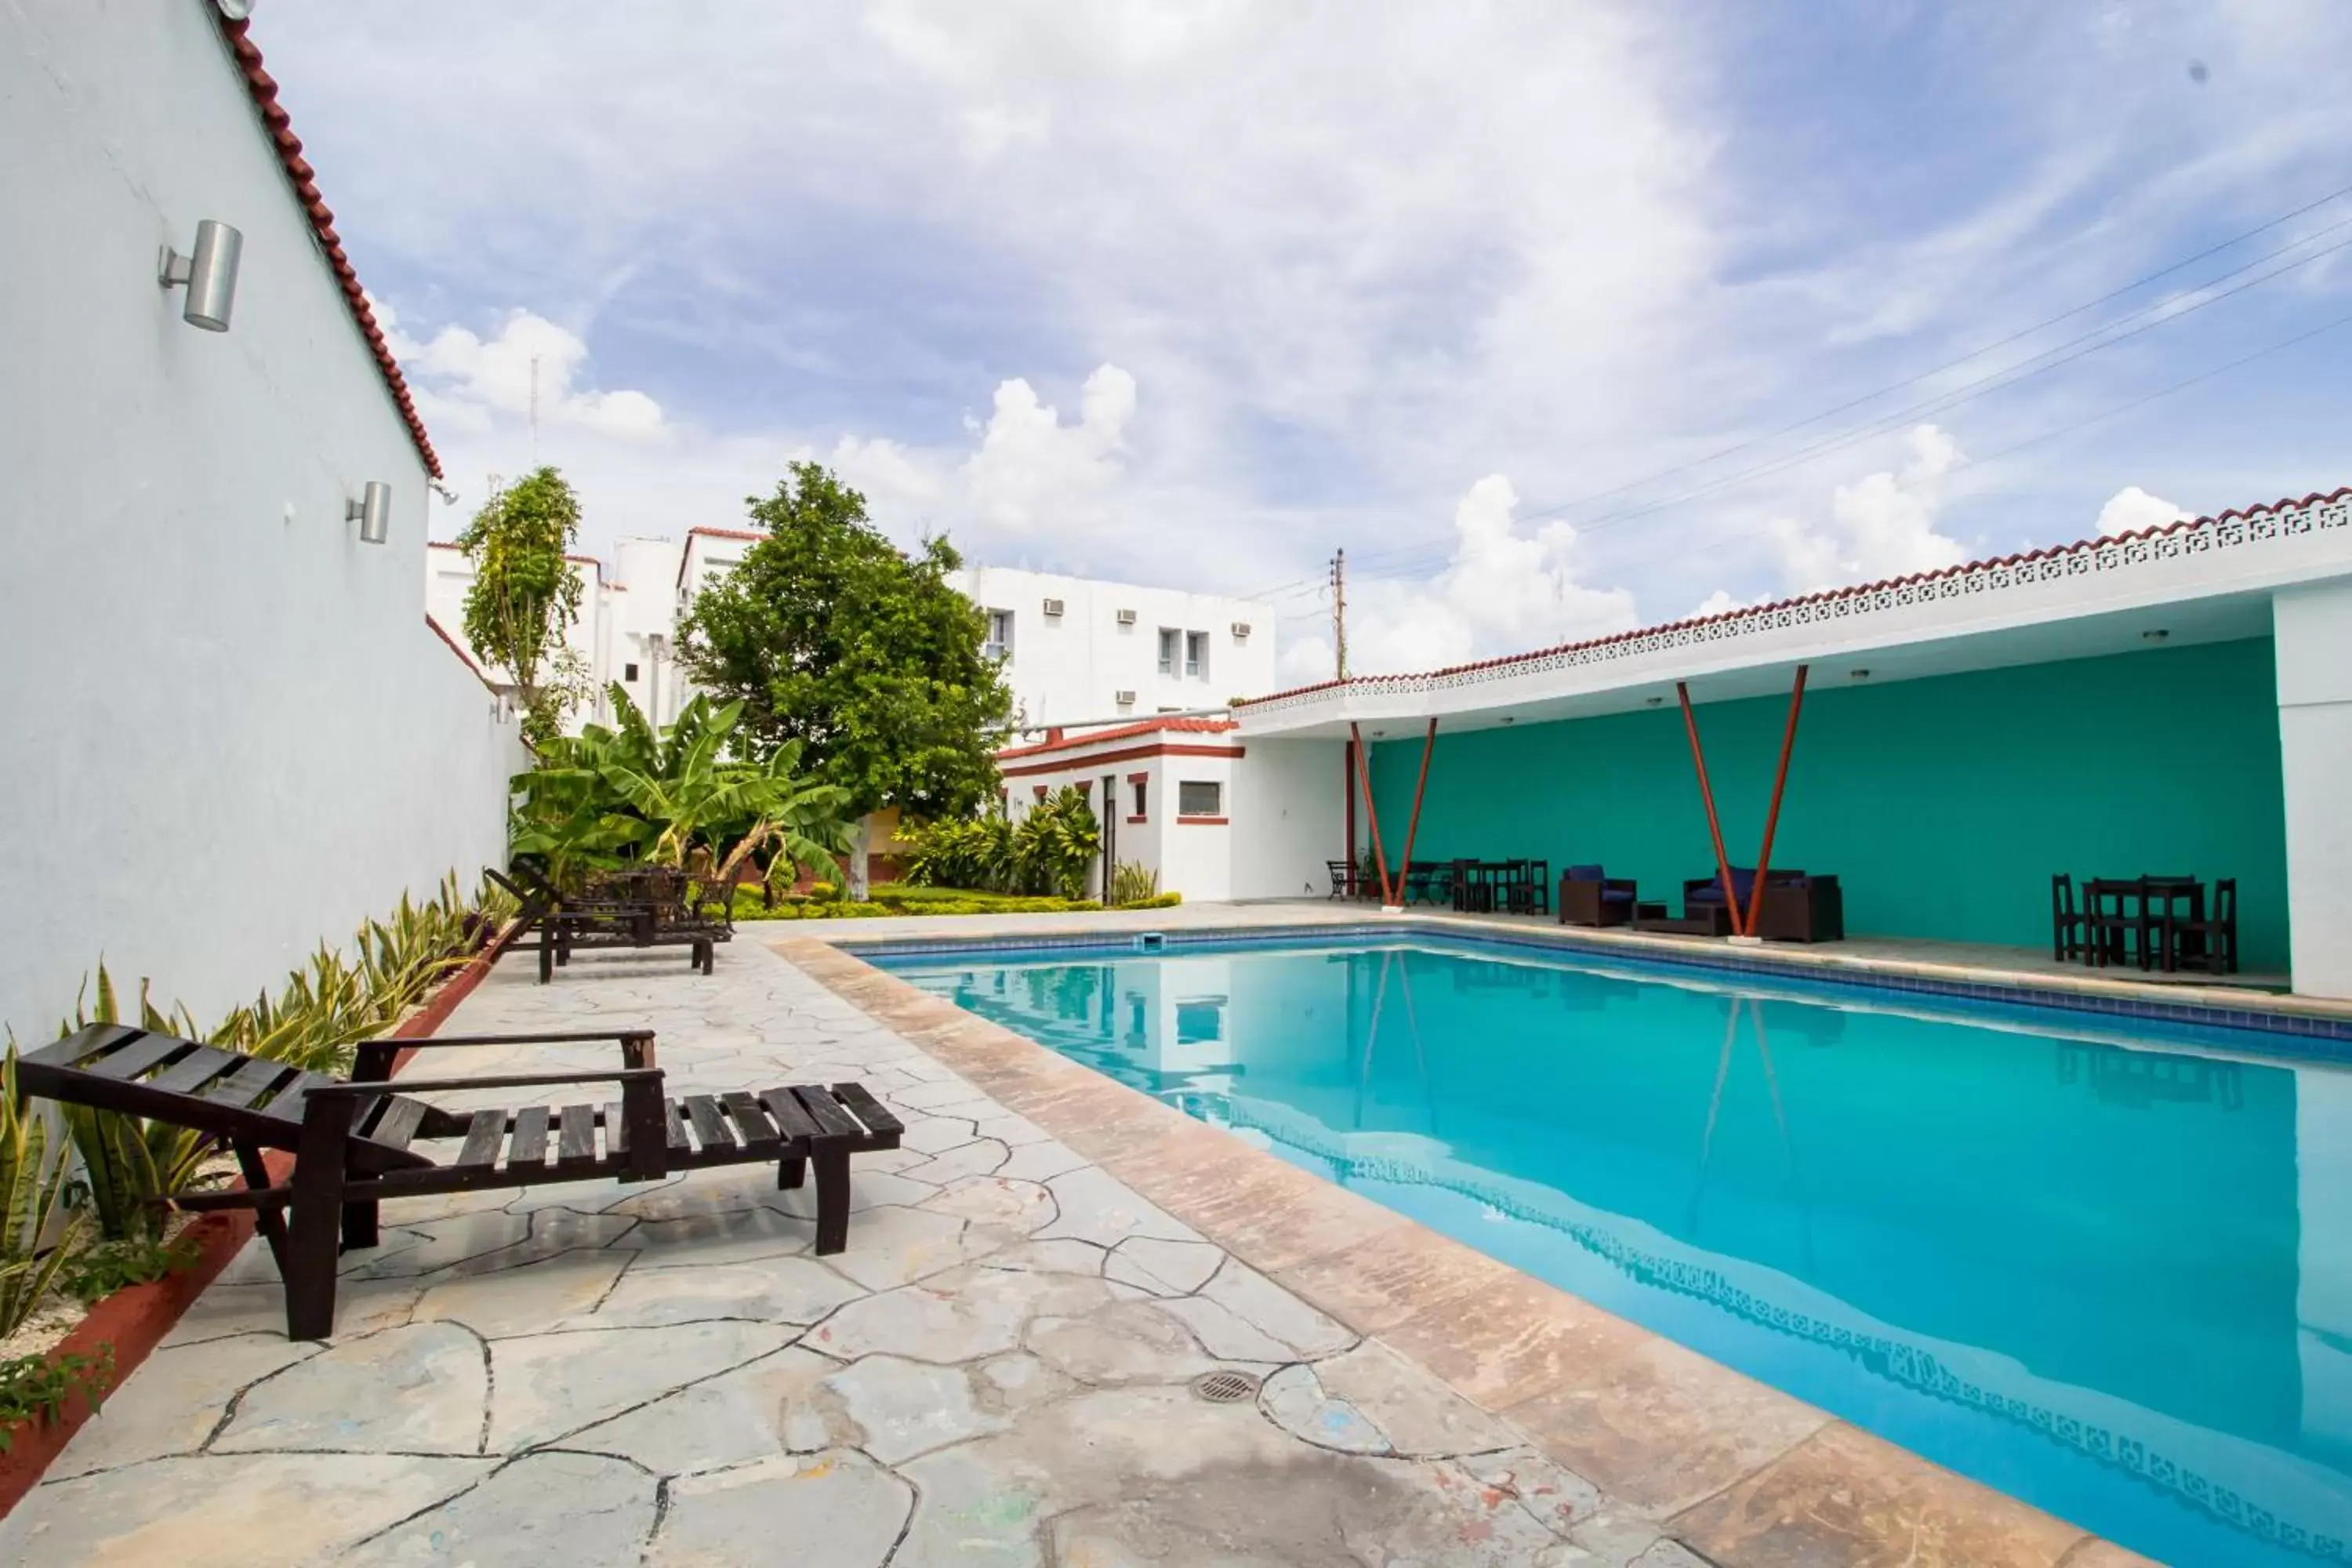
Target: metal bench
(354,1141)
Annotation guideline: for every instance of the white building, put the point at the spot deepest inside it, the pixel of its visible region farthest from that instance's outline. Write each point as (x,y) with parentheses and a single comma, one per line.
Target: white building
(243,736)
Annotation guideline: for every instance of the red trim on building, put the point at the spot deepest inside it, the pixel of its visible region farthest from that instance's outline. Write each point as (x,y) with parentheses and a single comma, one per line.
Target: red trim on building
(1056,741)
(1202,821)
(278,125)
(1039,790)
(1130,755)
(687,552)
(1136,821)
(456,648)
(2048,552)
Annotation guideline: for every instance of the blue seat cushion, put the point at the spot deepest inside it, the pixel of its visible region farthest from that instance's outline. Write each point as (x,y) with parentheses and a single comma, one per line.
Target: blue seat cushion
(1584,874)
(1616,896)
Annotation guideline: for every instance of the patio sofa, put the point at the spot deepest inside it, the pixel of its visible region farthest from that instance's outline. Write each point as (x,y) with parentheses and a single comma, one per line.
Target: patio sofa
(1797,906)
(1589,897)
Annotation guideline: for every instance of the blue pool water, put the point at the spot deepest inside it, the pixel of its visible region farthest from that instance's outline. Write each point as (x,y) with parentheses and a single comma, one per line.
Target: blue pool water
(2108,1272)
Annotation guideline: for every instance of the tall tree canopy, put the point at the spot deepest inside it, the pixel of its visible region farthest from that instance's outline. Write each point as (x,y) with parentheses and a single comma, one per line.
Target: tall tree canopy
(832,637)
(526,594)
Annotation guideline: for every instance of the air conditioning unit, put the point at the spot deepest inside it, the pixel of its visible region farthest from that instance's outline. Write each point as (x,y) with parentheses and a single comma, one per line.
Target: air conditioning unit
(1124,698)
(1241,631)
(1127,617)
(1053,606)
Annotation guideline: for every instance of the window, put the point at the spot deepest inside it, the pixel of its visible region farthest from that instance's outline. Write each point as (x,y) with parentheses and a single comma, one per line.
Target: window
(1000,635)
(1168,650)
(1196,653)
(1138,782)
(1199,797)
(628,672)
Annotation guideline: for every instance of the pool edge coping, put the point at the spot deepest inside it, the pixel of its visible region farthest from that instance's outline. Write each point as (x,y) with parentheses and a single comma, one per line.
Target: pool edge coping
(1389,1278)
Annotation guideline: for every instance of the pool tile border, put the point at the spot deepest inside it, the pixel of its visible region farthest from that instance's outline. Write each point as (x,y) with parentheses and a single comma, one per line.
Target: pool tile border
(1741,1473)
(2289,1029)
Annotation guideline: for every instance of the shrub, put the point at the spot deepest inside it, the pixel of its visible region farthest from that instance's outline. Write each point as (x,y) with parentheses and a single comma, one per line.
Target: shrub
(35,1388)
(32,1181)
(1049,852)
(1157,902)
(99,1271)
(1131,883)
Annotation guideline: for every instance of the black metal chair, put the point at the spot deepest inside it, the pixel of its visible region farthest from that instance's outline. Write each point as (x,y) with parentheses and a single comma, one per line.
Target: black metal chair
(2208,942)
(2069,927)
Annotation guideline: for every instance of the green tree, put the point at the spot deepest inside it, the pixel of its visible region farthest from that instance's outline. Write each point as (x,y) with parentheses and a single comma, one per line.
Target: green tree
(525,594)
(832,637)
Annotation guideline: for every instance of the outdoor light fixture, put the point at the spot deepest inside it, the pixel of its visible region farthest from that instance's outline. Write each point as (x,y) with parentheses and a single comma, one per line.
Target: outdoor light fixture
(2156,633)
(209,275)
(1859,674)
(373,514)
(1653,701)
(1507,718)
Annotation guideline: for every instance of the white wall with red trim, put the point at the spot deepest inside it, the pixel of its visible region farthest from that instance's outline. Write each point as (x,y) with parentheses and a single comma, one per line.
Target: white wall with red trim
(234,733)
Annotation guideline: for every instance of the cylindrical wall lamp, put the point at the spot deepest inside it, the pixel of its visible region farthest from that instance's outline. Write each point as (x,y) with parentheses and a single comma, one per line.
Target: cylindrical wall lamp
(373,514)
(210,275)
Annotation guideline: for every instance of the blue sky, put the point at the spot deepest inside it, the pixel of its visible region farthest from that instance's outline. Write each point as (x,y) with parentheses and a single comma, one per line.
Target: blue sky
(1193,294)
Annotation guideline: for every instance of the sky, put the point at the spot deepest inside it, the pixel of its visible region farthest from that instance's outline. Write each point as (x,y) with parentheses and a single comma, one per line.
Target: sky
(1560,317)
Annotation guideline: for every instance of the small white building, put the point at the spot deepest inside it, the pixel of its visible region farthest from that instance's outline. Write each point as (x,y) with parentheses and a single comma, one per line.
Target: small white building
(592,636)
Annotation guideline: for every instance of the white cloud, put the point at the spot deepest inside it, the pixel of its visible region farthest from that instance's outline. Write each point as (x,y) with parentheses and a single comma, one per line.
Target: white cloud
(466,382)
(1881,526)
(1035,474)
(2131,508)
(1501,591)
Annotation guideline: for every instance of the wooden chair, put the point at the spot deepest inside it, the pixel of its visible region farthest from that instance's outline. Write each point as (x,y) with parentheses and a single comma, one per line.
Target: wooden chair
(2209,942)
(1589,898)
(354,1142)
(1343,879)
(2069,927)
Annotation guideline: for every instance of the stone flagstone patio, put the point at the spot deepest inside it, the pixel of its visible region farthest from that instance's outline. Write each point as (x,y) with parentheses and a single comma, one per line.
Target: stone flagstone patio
(1000,1369)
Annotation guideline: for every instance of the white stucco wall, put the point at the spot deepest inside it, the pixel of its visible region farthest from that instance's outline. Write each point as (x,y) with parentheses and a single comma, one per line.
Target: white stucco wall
(2312,626)
(235,734)
(1289,812)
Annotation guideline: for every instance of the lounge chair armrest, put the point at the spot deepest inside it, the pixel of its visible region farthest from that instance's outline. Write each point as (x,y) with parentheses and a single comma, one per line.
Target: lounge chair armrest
(494,1080)
(576,1037)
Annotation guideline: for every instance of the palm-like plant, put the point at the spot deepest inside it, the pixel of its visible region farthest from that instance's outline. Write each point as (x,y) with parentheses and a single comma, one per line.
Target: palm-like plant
(682,796)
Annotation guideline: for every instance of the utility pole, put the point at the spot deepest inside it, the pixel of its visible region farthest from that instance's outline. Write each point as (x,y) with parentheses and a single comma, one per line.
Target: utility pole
(1340,609)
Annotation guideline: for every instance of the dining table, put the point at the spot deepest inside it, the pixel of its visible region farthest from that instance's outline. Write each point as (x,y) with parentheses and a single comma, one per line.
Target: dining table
(2131,919)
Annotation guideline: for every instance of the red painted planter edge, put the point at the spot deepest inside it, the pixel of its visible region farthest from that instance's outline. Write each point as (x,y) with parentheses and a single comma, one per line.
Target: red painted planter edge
(135,1318)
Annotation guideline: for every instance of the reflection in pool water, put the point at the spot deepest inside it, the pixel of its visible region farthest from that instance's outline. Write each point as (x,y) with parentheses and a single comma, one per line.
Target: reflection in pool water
(2109,1273)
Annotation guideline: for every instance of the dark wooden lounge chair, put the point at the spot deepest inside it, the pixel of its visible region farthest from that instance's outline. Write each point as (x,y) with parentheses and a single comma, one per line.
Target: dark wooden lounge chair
(355,1141)
(650,907)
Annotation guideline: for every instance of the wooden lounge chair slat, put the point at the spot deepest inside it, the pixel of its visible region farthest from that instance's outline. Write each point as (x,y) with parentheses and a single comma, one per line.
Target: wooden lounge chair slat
(249,1082)
(791,1119)
(576,1141)
(130,1060)
(72,1050)
(530,1146)
(616,1129)
(397,1126)
(287,1106)
(483,1136)
(710,1128)
(867,1108)
(760,1134)
(831,1120)
(675,1115)
(193,1071)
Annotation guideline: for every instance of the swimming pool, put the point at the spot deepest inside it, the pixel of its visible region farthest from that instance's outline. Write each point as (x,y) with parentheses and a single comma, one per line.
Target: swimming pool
(2104,1265)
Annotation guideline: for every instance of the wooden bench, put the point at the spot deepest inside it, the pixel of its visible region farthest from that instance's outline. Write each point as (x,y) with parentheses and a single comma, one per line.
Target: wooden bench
(355,1141)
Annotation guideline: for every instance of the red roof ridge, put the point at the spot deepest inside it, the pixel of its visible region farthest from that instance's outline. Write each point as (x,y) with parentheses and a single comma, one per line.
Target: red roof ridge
(275,123)
(726,533)
(456,648)
(1180,723)
(1849,591)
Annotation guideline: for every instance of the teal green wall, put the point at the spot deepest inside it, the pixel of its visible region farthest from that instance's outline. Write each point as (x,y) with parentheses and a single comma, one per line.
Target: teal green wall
(1942,806)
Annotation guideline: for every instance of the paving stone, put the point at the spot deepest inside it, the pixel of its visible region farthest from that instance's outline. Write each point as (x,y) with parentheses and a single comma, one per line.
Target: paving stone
(889,1246)
(1182,1266)
(1042,1162)
(1096,1206)
(868,1190)
(242,1512)
(838,1509)
(552,1231)
(1062,1257)
(901,1409)
(1012,1130)
(929,1135)
(548,1385)
(1220,1333)
(1272,1310)
(954,1317)
(177,1398)
(1559,1498)
(935,1093)
(714,1240)
(776,1290)
(981,1157)
(1123,1342)
(1371,1389)
(449,1241)
(751,1412)
(719,1190)
(362,1306)
(417,1390)
(528,1299)
(579,1511)
(1018,1207)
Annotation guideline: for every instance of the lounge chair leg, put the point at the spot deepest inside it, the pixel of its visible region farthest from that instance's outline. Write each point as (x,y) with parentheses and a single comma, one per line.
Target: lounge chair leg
(546,954)
(310,1260)
(360,1228)
(789,1174)
(832,1200)
(270,1222)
